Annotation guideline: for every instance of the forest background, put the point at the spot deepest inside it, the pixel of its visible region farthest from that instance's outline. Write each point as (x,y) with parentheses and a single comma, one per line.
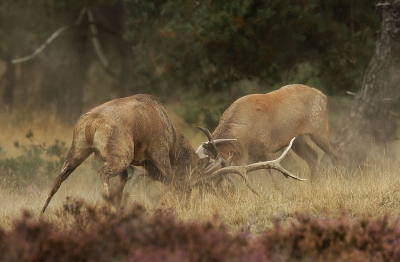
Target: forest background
(61,58)
(202,54)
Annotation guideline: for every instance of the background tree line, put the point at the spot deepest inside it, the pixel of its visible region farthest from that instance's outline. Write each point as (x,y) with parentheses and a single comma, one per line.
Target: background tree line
(201,53)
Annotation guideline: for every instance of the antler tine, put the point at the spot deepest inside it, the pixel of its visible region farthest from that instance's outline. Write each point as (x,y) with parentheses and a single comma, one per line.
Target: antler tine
(275,164)
(218,141)
(236,170)
(207,132)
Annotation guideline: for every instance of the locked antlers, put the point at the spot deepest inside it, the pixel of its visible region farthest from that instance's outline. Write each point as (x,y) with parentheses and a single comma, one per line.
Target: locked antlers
(242,171)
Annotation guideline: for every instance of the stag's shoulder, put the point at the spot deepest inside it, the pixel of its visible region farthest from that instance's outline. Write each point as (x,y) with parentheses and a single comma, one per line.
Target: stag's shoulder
(299,88)
(121,108)
(139,99)
(146,99)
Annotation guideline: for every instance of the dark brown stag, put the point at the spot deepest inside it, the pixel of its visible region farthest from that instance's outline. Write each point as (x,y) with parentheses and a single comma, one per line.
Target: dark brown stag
(263,124)
(137,131)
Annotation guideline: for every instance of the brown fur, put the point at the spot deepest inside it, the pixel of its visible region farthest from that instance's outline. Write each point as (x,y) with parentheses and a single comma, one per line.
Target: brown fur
(134,130)
(265,123)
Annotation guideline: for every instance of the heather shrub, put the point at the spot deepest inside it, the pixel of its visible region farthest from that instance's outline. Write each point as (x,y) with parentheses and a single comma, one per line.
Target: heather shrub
(84,232)
(99,234)
(334,239)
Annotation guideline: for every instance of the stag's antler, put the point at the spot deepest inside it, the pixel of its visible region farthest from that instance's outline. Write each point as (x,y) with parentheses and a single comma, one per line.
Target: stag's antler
(242,171)
(210,146)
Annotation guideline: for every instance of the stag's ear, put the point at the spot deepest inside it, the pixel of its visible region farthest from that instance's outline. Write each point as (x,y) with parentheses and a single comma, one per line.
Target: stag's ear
(203,162)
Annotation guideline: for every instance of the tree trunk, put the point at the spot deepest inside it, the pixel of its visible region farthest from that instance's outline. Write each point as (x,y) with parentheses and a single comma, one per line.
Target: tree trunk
(9,87)
(65,74)
(116,16)
(70,99)
(371,122)
(126,75)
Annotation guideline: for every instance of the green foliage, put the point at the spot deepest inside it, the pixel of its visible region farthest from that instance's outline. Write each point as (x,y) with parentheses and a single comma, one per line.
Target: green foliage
(79,4)
(23,167)
(265,38)
(36,163)
(183,48)
(202,107)
(193,49)
(57,149)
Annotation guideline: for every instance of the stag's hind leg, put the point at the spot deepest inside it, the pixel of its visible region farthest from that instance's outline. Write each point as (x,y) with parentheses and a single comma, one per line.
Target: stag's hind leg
(123,178)
(306,152)
(116,150)
(322,141)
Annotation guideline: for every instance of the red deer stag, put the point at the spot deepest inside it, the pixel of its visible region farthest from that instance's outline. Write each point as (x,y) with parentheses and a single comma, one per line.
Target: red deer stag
(264,123)
(137,131)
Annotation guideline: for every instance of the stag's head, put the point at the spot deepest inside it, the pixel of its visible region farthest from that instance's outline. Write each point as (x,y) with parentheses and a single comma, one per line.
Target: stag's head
(209,155)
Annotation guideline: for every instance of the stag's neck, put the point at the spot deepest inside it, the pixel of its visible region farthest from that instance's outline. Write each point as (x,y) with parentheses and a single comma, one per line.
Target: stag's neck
(183,157)
(235,149)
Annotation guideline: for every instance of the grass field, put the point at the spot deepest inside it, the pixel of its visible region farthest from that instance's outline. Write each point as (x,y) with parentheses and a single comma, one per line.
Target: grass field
(368,192)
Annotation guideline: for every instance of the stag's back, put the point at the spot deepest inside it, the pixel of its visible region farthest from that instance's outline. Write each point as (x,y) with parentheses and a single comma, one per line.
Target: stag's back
(128,127)
(271,120)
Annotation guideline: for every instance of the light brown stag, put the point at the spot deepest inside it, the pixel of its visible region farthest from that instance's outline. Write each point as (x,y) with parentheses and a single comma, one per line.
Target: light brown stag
(263,124)
(136,131)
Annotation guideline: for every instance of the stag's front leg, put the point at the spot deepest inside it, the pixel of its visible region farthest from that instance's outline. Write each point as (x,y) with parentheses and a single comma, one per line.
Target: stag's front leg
(110,170)
(136,173)
(123,178)
(160,168)
(230,183)
(105,180)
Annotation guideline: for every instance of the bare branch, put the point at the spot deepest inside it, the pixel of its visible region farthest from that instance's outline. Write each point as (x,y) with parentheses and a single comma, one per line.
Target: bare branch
(43,46)
(49,40)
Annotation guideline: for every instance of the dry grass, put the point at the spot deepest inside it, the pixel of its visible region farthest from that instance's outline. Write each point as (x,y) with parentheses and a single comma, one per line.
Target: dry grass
(367,193)
(370,192)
